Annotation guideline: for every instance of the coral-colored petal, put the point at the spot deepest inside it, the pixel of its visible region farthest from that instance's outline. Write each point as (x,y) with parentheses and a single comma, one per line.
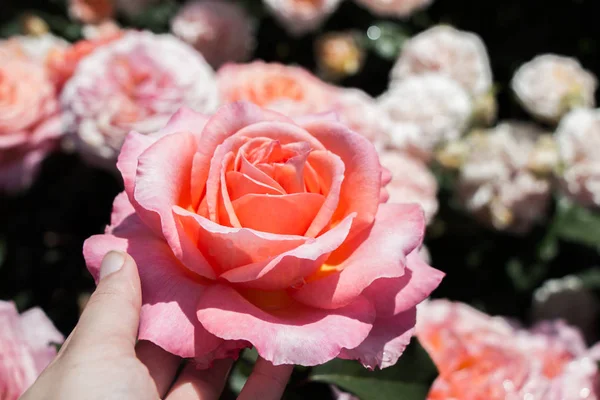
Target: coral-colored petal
(239,184)
(362,182)
(378,253)
(289,214)
(386,341)
(297,335)
(228,248)
(291,267)
(163,181)
(169,297)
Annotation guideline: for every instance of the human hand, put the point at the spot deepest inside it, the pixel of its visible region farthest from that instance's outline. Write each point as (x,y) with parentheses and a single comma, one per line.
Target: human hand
(101,360)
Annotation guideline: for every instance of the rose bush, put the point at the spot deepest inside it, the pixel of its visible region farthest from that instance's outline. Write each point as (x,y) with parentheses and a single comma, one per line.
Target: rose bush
(250,229)
(26,348)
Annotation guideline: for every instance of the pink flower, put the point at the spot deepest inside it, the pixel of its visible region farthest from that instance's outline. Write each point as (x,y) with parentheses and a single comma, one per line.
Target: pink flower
(26,348)
(29,122)
(483,357)
(220,30)
(499,179)
(411,182)
(133,83)
(549,86)
(91,11)
(250,229)
(33,48)
(425,112)
(456,54)
(294,91)
(397,8)
(299,17)
(578,138)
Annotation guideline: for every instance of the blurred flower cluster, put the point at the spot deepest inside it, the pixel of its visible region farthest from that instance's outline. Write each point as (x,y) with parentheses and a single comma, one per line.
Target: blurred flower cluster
(434,124)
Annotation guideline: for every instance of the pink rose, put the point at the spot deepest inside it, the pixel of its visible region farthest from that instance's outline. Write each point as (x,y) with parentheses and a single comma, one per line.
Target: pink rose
(294,91)
(394,8)
(250,229)
(29,122)
(33,48)
(133,83)
(26,348)
(550,85)
(483,357)
(299,17)
(220,30)
(410,182)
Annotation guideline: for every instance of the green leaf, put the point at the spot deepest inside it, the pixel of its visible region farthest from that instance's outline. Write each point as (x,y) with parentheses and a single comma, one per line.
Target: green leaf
(577,224)
(409,379)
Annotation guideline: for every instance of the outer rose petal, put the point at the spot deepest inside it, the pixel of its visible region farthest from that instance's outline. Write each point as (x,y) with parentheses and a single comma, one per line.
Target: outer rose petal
(299,335)
(397,231)
(386,341)
(169,297)
(40,334)
(362,180)
(163,181)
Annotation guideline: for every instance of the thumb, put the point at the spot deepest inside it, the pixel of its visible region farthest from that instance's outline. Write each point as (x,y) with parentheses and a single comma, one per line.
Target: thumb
(112,314)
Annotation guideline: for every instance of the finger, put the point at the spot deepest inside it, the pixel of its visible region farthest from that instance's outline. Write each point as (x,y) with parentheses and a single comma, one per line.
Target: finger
(194,384)
(111,317)
(267,382)
(161,365)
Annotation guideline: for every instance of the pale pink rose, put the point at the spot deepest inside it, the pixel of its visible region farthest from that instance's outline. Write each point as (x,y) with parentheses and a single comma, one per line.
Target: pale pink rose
(578,138)
(220,30)
(549,86)
(105,30)
(133,83)
(495,181)
(394,8)
(299,17)
(250,229)
(26,348)
(294,91)
(483,357)
(91,11)
(34,48)
(425,111)
(411,182)
(29,122)
(459,55)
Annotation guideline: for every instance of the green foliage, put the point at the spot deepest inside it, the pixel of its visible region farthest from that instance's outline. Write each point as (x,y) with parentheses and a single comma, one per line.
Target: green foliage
(409,379)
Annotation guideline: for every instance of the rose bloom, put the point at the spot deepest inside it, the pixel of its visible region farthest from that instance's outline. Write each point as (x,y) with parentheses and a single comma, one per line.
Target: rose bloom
(26,348)
(550,85)
(30,124)
(483,357)
(339,55)
(133,83)
(459,55)
(425,111)
(299,17)
(496,182)
(220,30)
(410,181)
(62,62)
(250,229)
(91,11)
(394,8)
(34,48)
(294,91)
(578,138)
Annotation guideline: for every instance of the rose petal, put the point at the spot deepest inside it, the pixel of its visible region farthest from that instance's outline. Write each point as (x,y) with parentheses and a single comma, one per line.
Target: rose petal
(229,248)
(362,181)
(397,231)
(289,214)
(301,335)
(291,267)
(163,181)
(239,184)
(386,341)
(169,297)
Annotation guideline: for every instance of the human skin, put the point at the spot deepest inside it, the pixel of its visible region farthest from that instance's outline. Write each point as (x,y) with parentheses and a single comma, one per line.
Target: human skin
(101,359)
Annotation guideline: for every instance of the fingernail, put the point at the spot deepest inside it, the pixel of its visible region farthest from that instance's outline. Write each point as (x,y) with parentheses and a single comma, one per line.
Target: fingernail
(111,263)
